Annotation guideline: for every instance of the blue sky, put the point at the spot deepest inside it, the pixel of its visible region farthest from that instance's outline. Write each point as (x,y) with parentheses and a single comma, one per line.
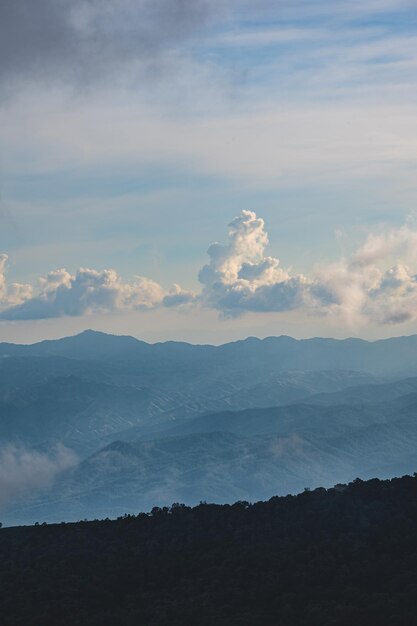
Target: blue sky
(133,133)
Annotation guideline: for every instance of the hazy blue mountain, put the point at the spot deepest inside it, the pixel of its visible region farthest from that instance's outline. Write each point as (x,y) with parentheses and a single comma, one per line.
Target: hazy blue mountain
(79,412)
(86,345)
(285,420)
(366,393)
(86,403)
(129,476)
(222,457)
(22,372)
(172,421)
(219,467)
(393,357)
(293,386)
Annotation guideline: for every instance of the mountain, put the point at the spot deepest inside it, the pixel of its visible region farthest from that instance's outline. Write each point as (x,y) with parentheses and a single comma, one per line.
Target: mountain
(216,466)
(86,345)
(285,420)
(172,421)
(221,457)
(86,402)
(365,393)
(389,357)
(79,412)
(346,555)
(292,386)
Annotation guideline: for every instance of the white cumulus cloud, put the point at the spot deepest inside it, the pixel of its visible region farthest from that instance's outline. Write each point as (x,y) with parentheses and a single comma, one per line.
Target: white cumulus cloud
(362,289)
(376,285)
(90,291)
(239,277)
(11,294)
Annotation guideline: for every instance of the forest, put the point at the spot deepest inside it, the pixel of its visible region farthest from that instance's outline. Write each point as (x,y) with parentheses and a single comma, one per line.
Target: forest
(339,556)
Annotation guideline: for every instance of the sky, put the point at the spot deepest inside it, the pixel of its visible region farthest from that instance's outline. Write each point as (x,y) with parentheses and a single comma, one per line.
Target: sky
(206,170)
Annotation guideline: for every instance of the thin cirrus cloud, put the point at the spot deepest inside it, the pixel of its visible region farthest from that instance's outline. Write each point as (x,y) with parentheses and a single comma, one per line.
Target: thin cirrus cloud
(374,285)
(79,42)
(331,103)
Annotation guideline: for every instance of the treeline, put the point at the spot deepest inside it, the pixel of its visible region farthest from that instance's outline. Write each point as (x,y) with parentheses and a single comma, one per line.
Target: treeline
(341,556)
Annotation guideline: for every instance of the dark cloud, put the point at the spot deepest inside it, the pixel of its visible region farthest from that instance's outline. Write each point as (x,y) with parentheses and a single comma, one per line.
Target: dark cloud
(79,41)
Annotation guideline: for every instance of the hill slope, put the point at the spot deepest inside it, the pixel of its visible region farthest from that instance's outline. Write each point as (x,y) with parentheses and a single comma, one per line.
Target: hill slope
(242,420)
(343,556)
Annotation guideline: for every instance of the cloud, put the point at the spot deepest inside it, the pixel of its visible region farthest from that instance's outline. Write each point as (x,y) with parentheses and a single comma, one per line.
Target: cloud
(90,291)
(394,299)
(366,288)
(82,41)
(3,261)
(15,293)
(23,470)
(376,285)
(239,277)
(268,118)
(379,246)
(359,290)
(176,296)
(79,41)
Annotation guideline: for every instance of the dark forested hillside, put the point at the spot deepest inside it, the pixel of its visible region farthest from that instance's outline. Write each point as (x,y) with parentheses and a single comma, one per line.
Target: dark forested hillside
(342,556)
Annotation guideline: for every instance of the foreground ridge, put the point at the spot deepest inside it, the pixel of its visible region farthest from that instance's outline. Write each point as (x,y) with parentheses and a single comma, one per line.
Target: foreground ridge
(339,556)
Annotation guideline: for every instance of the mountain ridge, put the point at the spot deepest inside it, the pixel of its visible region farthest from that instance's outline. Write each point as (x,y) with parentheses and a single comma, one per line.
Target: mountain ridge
(394,356)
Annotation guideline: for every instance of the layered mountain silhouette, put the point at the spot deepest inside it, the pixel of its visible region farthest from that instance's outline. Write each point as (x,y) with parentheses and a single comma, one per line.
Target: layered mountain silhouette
(156,423)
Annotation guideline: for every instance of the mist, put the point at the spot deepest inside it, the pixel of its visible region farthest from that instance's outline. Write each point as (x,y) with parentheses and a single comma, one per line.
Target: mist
(24,470)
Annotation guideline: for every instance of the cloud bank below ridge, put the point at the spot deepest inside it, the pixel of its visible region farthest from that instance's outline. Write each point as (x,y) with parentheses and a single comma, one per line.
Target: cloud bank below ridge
(23,470)
(376,285)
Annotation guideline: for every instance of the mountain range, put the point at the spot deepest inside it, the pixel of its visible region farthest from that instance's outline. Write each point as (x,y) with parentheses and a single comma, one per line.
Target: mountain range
(152,424)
